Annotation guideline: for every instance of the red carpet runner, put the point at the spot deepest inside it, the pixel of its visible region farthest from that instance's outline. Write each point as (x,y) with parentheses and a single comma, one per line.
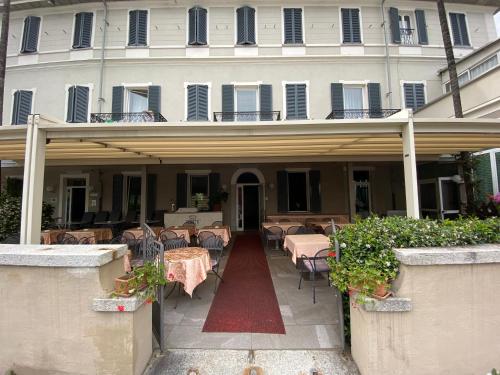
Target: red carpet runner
(245,301)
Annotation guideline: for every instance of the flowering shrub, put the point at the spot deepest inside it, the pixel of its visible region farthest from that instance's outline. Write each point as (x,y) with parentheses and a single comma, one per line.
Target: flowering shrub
(367,259)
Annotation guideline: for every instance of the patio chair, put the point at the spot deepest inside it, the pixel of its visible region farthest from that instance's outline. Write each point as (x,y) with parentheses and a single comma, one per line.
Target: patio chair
(329,230)
(305,230)
(204,235)
(101,217)
(175,243)
(189,222)
(87,240)
(86,220)
(273,233)
(293,230)
(313,265)
(217,223)
(68,239)
(215,247)
(168,235)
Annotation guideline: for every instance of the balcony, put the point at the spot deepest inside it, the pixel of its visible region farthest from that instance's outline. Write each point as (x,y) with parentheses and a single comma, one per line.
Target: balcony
(407,37)
(108,118)
(247,116)
(361,113)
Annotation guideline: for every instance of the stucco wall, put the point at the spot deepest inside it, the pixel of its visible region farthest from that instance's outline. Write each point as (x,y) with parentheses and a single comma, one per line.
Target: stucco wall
(48,326)
(452,327)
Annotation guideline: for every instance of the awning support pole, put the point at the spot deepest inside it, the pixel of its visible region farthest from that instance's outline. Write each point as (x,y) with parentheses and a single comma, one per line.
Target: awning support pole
(410,169)
(144,188)
(33,183)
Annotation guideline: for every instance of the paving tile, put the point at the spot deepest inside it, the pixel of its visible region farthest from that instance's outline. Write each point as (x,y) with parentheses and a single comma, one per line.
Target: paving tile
(191,337)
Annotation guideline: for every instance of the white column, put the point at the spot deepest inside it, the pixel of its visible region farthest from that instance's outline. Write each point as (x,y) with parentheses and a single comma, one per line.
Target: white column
(410,169)
(33,183)
(144,188)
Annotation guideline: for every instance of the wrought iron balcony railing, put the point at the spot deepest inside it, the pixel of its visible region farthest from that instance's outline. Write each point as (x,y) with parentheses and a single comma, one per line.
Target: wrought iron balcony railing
(361,113)
(407,36)
(127,117)
(247,116)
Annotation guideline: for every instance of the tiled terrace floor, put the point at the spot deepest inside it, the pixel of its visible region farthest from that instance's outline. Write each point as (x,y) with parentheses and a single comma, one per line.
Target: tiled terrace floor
(308,326)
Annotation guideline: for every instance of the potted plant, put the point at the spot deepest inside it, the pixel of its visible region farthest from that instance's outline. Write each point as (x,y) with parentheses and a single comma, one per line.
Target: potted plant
(147,278)
(216,199)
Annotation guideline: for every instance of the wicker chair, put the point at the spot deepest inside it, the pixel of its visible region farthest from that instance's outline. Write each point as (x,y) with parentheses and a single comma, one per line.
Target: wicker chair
(215,246)
(69,239)
(273,233)
(293,230)
(204,235)
(306,230)
(217,223)
(329,230)
(175,243)
(87,240)
(189,222)
(313,265)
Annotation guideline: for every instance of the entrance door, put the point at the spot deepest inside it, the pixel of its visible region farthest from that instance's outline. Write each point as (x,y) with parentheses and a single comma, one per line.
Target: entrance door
(439,198)
(449,193)
(251,207)
(75,200)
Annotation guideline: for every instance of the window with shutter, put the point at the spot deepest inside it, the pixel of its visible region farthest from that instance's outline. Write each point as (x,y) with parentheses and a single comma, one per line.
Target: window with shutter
(197,103)
(459,29)
(351,27)
(82,37)
(30,34)
(296,101)
(21,107)
(197,34)
(246,25)
(292,20)
(414,95)
(138,28)
(78,104)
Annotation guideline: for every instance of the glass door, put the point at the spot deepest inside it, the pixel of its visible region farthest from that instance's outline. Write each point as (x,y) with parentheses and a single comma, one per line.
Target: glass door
(353,102)
(246,102)
(449,194)
(428,199)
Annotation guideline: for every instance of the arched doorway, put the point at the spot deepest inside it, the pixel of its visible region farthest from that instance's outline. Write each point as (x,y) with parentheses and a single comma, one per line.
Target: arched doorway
(249,185)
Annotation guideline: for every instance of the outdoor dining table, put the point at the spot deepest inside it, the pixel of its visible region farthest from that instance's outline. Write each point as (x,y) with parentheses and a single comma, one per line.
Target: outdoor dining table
(219,230)
(138,232)
(50,235)
(97,235)
(188,266)
(305,244)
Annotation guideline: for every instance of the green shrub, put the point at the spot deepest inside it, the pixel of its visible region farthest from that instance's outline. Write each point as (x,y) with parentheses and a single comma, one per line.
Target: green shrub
(10,214)
(366,247)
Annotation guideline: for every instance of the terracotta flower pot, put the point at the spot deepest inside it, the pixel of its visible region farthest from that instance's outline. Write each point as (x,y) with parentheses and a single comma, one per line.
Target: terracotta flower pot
(123,285)
(382,291)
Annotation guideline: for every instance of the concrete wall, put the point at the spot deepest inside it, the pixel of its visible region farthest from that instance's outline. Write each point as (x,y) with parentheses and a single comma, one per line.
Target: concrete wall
(445,319)
(168,62)
(47,321)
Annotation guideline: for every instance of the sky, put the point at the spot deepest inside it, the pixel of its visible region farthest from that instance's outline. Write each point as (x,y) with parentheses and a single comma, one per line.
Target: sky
(497,21)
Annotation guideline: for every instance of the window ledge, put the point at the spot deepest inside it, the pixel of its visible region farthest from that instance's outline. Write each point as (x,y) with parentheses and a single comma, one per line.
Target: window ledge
(293,45)
(356,44)
(196,45)
(137,47)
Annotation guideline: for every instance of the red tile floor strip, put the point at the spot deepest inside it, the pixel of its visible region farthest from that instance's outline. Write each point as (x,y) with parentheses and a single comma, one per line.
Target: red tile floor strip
(246,301)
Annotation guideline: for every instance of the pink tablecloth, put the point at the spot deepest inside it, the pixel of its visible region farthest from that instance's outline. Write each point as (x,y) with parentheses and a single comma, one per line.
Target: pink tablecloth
(50,235)
(305,244)
(96,234)
(222,231)
(187,265)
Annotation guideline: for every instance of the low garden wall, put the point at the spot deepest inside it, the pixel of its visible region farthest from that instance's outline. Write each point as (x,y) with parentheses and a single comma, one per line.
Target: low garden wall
(56,317)
(445,318)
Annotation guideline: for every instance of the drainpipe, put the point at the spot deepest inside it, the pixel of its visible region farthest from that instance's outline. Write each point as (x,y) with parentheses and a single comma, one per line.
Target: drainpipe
(100,99)
(387,60)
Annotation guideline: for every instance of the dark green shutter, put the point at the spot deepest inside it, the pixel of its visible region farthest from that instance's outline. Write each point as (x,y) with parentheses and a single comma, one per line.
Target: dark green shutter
(394,24)
(296,102)
(117,199)
(117,103)
(463,30)
(227,102)
(71,104)
(197,26)
(202,114)
(154,100)
(151,195)
(414,95)
(337,97)
(351,27)
(245,18)
(282,191)
(421,27)
(459,29)
(81,106)
(30,34)
(292,18)
(132,28)
(21,108)
(82,36)
(266,102)
(374,100)
(192,102)
(181,190)
(138,28)
(419,95)
(314,191)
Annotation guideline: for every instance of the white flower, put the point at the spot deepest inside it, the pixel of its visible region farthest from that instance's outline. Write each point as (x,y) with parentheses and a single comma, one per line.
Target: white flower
(387,264)
(343,245)
(368,246)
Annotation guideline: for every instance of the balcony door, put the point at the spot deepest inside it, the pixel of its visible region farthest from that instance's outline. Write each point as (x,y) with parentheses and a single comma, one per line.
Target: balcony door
(137,100)
(246,101)
(353,101)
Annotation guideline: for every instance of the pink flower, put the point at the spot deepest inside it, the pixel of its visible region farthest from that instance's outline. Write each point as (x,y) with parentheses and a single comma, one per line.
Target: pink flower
(121,308)
(496,198)
(332,254)
(170,276)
